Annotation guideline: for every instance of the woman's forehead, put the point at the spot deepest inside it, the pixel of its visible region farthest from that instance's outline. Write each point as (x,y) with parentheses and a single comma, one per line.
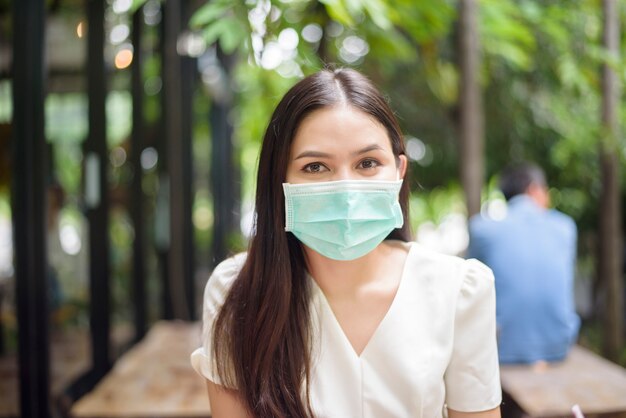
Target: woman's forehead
(340,128)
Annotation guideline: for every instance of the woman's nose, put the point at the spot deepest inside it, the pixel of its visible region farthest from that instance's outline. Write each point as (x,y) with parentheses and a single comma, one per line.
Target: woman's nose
(344,173)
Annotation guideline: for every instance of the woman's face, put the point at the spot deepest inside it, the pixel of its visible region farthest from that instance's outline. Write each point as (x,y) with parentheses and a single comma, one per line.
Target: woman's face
(342,143)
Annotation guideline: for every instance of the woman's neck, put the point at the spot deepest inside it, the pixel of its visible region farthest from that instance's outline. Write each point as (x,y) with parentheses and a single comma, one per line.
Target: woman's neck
(344,278)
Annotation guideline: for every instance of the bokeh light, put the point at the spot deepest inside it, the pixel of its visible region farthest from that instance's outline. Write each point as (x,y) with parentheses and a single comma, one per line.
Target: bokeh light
(123,58)
(149,158)
(80,29)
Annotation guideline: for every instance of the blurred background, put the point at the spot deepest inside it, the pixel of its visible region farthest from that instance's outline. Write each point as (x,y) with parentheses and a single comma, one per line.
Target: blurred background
(130,129)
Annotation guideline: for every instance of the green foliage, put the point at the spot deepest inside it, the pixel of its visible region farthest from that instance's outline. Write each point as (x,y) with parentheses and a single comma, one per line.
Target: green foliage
(152,73)
(209,13)
(505,34)
(540,72)
(118,109)
(6,103)
(435,204)
(423,21)
(349,12)
(66,128)
(136,5)
(121,235)
(223,21)
(592,337)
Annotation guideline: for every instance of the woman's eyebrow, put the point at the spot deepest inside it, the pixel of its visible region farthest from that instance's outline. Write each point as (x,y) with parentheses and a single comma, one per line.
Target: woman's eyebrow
(319,154)
(313,154)
(373,147)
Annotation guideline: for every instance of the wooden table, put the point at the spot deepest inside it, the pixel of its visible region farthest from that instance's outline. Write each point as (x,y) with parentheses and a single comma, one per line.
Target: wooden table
(595,384)
(153,379)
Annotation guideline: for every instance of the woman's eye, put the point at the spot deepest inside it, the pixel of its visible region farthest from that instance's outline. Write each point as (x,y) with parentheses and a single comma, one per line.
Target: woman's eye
(314,168)
(368,164)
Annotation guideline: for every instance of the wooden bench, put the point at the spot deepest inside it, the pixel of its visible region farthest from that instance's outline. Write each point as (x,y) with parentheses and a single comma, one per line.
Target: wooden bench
(595,384)
(153,379)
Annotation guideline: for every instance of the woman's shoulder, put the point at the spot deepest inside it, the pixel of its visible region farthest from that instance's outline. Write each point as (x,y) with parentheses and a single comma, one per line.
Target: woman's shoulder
(221,280)
(230,266)
(448,269)
(423,258)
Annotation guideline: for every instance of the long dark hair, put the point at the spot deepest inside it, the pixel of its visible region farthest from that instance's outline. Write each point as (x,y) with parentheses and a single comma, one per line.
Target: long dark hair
(261,335)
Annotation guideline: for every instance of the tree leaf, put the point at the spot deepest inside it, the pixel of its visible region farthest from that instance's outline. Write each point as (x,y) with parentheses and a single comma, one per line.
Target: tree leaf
(136,4)
(208,14)
(214,31)
(233,35)
(377,11)
(338,11)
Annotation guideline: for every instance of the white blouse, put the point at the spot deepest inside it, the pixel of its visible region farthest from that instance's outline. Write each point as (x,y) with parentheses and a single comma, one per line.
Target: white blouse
(436,345)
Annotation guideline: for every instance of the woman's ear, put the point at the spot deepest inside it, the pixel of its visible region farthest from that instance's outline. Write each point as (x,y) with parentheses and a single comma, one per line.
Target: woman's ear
(402,165)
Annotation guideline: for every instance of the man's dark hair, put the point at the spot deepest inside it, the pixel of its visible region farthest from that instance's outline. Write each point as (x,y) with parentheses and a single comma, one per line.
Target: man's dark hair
(515,179)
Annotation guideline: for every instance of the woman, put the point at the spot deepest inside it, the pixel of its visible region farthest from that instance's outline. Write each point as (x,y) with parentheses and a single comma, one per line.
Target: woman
(332,313)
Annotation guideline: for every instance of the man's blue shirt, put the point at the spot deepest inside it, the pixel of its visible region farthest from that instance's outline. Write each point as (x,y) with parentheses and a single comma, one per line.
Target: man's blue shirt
(532,253)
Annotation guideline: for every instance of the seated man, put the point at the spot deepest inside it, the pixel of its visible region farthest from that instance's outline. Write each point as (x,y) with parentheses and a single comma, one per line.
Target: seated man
(532,252)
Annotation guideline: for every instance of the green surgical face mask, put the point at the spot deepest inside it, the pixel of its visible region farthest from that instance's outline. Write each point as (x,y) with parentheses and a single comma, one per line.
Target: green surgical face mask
(343,220)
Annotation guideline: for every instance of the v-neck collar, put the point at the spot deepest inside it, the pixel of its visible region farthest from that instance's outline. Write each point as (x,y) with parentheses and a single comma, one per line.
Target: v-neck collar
(392,307)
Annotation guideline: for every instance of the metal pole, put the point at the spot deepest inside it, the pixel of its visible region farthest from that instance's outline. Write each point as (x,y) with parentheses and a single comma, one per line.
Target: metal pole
(96,191)
(137,209)
(175,146)
(162,215)
(188,79)
(224,177)
(28,208)
(188,247)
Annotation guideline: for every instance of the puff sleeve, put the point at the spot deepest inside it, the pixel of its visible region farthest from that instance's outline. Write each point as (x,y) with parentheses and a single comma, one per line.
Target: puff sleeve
(472,378)
(215,293)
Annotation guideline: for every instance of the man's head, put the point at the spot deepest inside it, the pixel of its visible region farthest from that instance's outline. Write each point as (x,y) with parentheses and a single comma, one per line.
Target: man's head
(525,178)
